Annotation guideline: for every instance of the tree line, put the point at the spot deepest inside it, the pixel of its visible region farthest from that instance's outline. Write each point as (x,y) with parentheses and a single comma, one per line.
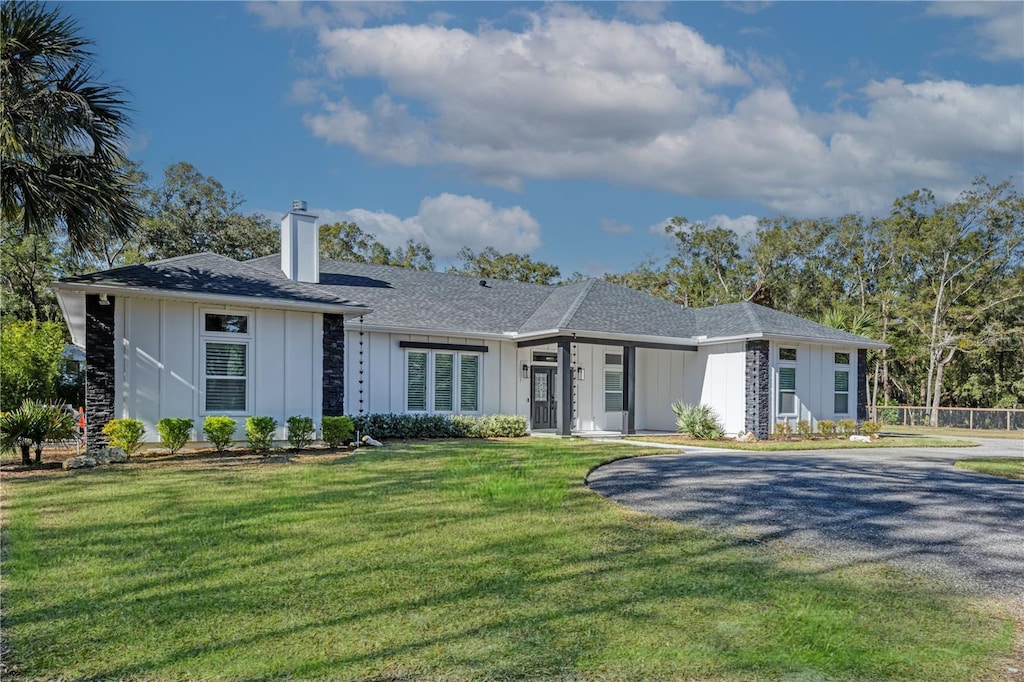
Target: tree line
(941,282)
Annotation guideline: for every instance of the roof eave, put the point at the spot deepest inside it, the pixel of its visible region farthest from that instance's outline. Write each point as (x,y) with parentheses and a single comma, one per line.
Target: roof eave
(246,301)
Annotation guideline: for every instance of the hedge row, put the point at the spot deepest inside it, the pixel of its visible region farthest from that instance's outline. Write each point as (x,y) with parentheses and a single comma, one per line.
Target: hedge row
(398,426)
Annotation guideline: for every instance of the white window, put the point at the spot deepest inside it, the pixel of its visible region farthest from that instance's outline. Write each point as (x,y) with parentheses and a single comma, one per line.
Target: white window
(442,381)
(226,356)
(786,402)
(613,390)
(841,395)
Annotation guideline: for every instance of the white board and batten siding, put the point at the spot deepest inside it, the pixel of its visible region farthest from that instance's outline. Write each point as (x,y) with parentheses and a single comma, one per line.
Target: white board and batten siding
(158,363)
(815,382)
(375,372)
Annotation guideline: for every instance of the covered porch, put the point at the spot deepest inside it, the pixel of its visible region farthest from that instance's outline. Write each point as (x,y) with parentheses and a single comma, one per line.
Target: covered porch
(555,377)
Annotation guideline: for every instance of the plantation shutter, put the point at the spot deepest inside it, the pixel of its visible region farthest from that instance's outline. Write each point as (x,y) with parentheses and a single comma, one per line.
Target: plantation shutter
(787,378)
(469,383)
(226,377)
(613,391)
(444,380)
(842,381)
(417,382)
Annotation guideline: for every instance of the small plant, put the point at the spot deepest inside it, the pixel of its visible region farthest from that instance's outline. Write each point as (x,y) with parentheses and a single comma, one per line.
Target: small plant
(338,431)
(31,425)
(827,428)
(697,421)
(783,430)
(259,432)
(174,433)
(219,430)
(870,428)
(803,427)
(125,434)
(847,427)
(300,432)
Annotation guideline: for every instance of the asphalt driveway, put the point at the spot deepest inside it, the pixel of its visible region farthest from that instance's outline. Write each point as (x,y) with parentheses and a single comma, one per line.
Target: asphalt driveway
(909,507)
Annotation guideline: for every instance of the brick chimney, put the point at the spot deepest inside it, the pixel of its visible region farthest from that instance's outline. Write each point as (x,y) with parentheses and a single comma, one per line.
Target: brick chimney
(300,245)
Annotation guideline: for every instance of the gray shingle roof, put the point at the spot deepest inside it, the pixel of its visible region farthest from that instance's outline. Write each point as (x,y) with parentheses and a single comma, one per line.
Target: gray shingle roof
(211,274)
(458,304)
(750,319)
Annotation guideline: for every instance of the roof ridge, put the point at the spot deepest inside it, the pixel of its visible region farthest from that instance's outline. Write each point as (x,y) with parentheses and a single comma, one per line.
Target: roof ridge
(752,315)
(571,311)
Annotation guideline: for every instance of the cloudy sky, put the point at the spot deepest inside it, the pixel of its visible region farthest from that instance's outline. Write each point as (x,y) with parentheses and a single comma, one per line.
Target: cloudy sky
(569,131)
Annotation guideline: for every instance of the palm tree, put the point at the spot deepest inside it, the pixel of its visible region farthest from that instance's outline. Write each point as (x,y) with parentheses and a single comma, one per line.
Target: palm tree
(61,134)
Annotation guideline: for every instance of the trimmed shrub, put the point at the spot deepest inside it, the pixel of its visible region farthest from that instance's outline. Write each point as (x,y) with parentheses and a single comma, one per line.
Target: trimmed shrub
(783,430)
(803,427)
(401,426)
(259,432)
(219,430)
(490,426)
(847,427)
(827,428)
(174,433)
(697,421)
(870,428)
(125,434)
(300,432)
(338,431)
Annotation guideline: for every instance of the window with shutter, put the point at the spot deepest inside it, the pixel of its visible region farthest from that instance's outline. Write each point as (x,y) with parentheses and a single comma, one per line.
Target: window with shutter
(417,382)
(787,390)
(469,383)
(612,391)
(444,381)
(842,392)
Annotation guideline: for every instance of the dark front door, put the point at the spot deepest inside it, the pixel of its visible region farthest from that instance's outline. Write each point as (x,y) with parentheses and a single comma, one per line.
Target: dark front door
(542,398)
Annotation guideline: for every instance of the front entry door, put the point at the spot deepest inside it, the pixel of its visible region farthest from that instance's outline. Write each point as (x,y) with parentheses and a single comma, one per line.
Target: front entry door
(542,398)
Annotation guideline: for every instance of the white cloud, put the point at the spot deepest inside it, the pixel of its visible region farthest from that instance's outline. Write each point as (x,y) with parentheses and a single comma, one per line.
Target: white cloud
(655,105)
(296,14)
(614,227)
(998,26)
(447,223)
(644,10)
(742,225)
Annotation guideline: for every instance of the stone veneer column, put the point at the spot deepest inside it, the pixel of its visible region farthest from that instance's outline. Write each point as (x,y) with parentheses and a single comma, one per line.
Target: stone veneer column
(758,400)
(100,382)
(862,384)
(334,365)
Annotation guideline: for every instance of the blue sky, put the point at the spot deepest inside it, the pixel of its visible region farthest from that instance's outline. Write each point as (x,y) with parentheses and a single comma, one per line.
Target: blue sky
(569,131)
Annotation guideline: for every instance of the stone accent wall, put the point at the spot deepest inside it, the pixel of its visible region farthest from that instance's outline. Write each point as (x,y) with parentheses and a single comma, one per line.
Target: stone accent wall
(334,365)
(758,398)
(862,384)
(100,383)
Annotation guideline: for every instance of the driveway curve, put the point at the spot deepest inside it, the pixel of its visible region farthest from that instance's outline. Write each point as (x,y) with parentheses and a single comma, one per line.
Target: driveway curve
(908,507)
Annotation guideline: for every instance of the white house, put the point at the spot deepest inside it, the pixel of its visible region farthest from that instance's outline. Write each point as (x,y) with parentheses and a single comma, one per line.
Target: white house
(295,334)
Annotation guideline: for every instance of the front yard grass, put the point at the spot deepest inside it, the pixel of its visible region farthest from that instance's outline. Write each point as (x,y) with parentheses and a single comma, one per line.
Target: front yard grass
(468,560)
(1006,467)
(821,444)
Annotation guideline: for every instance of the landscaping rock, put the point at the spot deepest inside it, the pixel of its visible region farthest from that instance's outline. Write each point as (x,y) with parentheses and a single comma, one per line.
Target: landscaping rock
(370,440)
(112,456)
(80,462)
(860,439)
(747,437)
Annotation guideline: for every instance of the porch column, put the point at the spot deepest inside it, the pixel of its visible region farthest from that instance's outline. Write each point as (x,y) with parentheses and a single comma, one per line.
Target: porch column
(99,370)
(629,389)
(565,376)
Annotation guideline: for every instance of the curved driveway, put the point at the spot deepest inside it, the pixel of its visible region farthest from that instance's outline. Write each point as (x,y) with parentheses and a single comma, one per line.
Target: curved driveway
(904,506)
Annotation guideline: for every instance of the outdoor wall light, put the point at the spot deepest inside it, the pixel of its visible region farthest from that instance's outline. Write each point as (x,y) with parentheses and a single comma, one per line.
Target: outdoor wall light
(104,300)
(580,375)
(526,371)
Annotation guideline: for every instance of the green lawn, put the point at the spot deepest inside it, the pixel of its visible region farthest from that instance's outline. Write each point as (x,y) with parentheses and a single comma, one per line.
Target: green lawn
(1007,467)
(463,560)
(834,444)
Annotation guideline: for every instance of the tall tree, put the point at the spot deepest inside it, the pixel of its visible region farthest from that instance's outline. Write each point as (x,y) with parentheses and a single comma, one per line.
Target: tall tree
(191,213)
(347,242)
(510,266)
(61,134)
(27,269)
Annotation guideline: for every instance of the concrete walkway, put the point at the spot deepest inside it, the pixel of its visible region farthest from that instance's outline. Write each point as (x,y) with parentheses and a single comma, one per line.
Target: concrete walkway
(906,506)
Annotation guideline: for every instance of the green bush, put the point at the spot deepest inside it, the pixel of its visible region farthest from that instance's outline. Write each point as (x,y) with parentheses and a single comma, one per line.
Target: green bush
(300,432)
(827,428)
(259,432)
(888,415)
(870,428)
(219,430)
(30,365)
(803,427)
(338,431)
(174,433)
(697,421)
(402,426)
(783,430)
(847,427)
(125,434)
(490,426)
